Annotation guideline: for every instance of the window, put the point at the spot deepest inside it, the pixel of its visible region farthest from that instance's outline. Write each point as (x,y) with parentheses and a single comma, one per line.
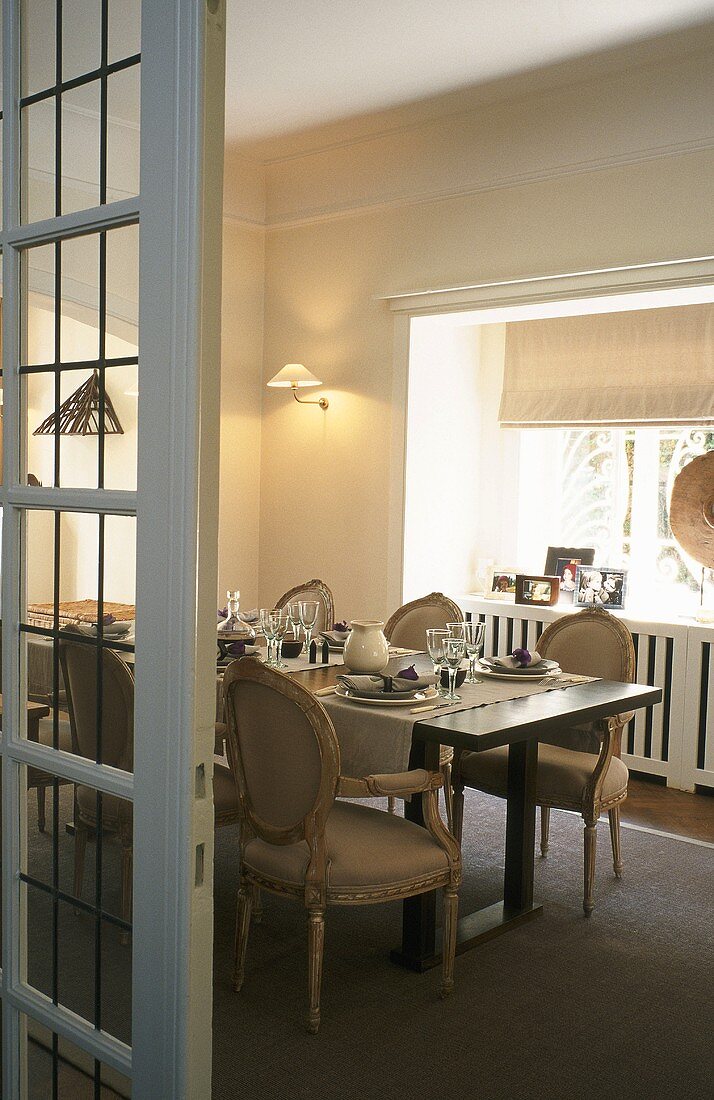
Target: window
(612,492)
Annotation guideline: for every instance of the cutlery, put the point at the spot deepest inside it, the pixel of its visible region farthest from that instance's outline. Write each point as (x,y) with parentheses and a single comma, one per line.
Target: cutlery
(326,691)
(430,706)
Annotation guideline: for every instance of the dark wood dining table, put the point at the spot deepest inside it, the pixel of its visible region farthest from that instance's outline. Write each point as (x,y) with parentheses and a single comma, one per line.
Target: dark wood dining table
(519,724)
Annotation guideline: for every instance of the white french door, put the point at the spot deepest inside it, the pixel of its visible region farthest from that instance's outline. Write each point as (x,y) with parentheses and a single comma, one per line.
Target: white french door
(112,116)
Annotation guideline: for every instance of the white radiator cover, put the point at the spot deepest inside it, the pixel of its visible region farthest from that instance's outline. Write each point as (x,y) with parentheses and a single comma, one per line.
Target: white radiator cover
(675,738)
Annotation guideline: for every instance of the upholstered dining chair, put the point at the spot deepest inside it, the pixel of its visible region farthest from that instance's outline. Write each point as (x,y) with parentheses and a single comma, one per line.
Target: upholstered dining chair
(36,778)
(79,668)
(581,768)
(407,628)
(313,590)
(298,841)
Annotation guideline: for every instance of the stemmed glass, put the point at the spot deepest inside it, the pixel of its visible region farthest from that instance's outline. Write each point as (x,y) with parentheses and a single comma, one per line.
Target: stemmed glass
(454,649)
(472,634)
(279,625)
(308,617)
(266,625)
(436,647)
(294,618)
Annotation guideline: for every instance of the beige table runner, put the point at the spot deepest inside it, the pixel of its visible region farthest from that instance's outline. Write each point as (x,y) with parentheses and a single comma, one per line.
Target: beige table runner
(375,740)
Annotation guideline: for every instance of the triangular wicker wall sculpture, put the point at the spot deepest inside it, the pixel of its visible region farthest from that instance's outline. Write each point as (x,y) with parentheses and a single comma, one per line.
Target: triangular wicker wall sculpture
(79,414)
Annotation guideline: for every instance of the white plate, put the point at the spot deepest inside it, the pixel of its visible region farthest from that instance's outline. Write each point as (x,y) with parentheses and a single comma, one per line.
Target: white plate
(552,675)
(424,696)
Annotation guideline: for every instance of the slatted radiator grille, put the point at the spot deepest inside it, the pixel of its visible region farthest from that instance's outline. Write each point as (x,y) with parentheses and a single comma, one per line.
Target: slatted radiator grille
(698,751)
(675,738)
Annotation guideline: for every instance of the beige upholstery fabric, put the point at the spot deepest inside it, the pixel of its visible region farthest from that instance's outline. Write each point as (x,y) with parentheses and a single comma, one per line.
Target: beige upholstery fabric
(225,795)
(65,734)
(324,615)
(562,773)
(588,648)
(116,812)
(280,754)
(365,847)
(409,631)
(79,665)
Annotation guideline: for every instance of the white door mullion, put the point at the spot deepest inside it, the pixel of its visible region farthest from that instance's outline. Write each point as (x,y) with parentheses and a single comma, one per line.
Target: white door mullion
(80,222)
(118,502)
(57,1018)
(68,766)
(13,807)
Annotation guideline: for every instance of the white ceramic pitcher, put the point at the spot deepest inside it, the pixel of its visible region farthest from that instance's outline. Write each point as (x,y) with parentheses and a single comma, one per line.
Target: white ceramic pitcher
(366,649)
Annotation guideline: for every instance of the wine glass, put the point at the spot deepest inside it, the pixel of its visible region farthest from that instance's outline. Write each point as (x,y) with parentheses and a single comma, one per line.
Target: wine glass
(472,634)
(294,618)
(266,625)
(436,647)
(473,638)
(279,625)
(308,617)
(454,650)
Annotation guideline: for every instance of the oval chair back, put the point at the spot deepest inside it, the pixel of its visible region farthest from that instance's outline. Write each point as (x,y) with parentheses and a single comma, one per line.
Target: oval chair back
(313,590)
(591,642)
(283,751)
(408,625)
(79,671)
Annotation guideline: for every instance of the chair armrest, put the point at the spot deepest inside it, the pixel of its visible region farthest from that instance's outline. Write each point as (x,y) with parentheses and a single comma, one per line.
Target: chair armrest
(395,785)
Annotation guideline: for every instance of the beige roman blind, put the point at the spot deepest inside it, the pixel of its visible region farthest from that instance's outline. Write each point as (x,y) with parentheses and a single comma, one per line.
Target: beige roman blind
(645,366)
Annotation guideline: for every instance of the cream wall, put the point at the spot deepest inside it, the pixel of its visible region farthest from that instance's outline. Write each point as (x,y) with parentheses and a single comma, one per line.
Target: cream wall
(241,396)
(604,173)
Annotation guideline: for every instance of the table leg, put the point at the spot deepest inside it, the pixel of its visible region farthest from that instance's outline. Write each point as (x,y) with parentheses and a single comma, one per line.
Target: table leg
(421,948)
(418,950)
(520,824)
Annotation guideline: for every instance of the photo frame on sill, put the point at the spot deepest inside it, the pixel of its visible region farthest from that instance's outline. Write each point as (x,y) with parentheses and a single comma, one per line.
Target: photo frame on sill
(600,586)
(566,569)
(500,584)
(537,591)
(555,553)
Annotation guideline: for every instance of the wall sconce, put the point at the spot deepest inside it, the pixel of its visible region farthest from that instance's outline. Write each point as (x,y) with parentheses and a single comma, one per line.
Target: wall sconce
(296,375)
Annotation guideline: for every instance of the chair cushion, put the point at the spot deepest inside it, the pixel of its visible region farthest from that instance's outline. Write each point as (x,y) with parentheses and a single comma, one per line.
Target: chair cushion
(562,773)
(65,734)
(225,795)
(365,848)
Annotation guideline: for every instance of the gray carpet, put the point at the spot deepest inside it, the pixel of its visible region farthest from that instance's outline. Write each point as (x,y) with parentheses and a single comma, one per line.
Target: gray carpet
(620,1005)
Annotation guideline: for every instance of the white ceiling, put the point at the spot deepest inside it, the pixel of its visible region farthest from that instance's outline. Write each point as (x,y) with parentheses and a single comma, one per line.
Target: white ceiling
(297,64)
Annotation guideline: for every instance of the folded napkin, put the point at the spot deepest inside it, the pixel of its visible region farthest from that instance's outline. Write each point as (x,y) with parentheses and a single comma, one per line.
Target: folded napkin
(513,662)
(334,637)
(367,687)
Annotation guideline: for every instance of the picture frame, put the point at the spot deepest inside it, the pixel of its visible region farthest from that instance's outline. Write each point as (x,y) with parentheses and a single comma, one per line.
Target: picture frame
(600,586)
(566,569)
(585,553)
(500,583)
(537,591)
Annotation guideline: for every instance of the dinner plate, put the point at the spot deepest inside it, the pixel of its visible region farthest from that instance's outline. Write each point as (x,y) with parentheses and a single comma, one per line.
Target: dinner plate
(541,669)
(385,701)
(554,673)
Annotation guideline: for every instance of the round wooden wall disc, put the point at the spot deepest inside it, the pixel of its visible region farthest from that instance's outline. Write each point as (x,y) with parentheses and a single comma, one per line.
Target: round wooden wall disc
(691,512)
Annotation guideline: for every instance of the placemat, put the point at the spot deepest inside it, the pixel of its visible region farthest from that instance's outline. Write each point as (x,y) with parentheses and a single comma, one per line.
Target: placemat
(376,740)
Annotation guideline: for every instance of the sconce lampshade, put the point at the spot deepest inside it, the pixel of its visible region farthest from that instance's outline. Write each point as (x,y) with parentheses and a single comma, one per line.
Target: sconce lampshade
(294,374)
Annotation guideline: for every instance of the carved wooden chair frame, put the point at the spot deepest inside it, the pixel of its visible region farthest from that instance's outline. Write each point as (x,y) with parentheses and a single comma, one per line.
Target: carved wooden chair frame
(609,733)
(434,599)
(446,755)
(316,893)
(315,585)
